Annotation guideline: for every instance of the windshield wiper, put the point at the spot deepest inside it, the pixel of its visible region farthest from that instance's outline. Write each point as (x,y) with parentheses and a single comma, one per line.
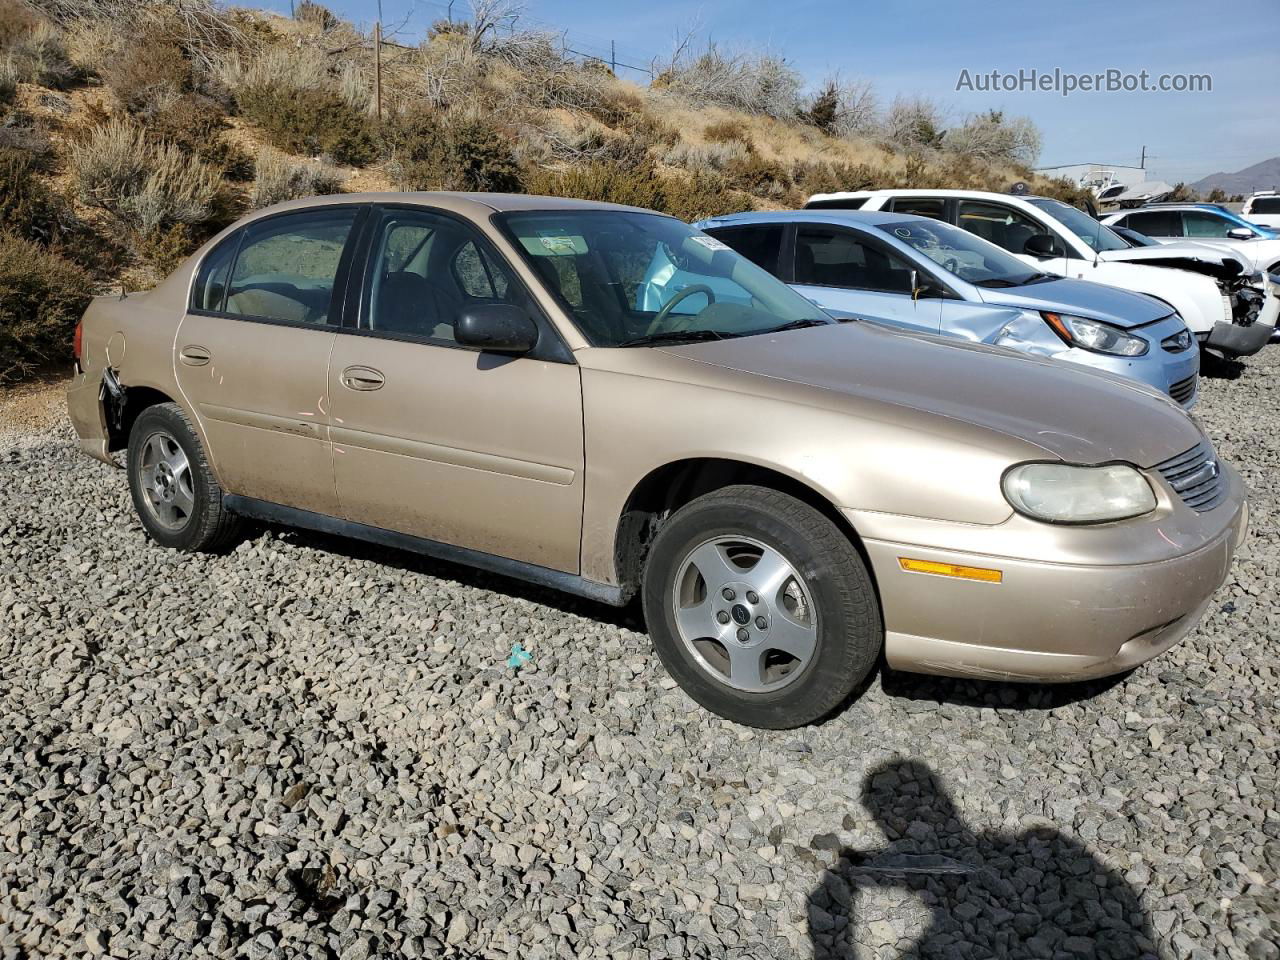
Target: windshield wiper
(1040,278)
(800,325)
(675,336)
(995,282)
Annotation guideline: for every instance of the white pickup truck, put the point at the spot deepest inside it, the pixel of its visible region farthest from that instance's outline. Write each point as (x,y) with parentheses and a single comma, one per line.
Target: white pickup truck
(1230,307)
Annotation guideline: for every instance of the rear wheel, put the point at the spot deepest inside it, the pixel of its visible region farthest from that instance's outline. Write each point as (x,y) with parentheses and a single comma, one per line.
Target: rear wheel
(174,492)
(760,607)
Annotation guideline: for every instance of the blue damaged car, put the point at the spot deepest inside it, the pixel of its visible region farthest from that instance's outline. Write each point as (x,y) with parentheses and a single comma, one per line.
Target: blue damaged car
(928,276)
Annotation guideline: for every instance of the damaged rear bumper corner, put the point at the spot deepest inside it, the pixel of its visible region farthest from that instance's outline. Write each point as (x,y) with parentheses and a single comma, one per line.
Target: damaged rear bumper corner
(84,406)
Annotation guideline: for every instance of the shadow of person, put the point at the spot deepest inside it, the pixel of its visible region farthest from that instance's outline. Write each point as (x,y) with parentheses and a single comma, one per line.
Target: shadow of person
(1036,894)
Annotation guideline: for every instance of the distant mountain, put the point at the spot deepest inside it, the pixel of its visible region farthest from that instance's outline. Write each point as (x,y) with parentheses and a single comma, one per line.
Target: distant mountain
(1261,176)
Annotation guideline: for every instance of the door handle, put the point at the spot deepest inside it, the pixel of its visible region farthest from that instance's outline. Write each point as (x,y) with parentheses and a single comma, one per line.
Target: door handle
(362,378)
(194,356)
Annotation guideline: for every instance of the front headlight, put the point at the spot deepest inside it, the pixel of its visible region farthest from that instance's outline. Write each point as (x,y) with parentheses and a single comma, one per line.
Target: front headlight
(1094,335)
(1062,493)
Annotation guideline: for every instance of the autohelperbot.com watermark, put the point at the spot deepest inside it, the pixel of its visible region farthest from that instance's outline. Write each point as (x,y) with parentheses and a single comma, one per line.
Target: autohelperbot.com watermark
(1066,82)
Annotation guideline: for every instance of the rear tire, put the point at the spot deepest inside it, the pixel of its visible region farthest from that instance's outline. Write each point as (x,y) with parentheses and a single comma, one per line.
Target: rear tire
(761,608)
(175,494)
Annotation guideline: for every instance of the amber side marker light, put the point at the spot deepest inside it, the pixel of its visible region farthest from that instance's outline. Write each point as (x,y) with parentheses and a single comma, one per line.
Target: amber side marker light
(950,570)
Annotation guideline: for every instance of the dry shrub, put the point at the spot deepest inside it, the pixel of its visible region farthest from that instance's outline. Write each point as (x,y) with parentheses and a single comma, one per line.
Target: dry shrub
(700,196)
(42,296)
(706,157)
(37,55)
(913,123)
(281,178)
(432,150)
(751,81)
(17,21)
(309,121)
(195,123)
(93,46)
(315,15)
(727,131)
(759,175)
(600,181)
(822,177)
(148,186)
(148,74)
(993,138)
(8,80)
(28,207)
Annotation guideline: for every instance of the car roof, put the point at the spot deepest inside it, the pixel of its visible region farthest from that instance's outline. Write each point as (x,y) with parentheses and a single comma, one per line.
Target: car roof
(861,218)
(973,194)
(478,205)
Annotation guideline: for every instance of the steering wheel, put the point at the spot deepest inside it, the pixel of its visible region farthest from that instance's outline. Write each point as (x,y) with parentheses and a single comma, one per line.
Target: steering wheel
(951,265)
(655,325)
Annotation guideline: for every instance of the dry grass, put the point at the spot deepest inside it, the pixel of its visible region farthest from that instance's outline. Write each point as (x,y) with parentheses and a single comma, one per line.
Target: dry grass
(280,178)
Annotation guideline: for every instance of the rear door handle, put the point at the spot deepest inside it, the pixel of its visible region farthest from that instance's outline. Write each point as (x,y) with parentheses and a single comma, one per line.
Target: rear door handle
(362,378)
(194,356)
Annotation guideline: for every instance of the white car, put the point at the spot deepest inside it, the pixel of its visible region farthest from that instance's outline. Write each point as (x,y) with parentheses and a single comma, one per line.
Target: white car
(1231,309)
(1204,223)
(1262,208)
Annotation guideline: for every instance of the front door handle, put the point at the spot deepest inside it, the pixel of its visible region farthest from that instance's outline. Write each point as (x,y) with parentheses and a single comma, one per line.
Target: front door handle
(194,356)
(362,378)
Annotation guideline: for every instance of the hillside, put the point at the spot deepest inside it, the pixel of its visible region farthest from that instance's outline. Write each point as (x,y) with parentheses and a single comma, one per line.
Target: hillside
(131,131)
(1261,176)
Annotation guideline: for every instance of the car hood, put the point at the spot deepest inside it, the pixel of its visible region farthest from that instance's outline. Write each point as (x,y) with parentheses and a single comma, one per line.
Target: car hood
(1120,308)
(1069,411)
(1217,262)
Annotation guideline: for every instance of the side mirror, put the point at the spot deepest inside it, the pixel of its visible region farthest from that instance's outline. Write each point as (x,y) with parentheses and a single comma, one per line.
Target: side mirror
(1240,233)
(497,327)
(1042,246)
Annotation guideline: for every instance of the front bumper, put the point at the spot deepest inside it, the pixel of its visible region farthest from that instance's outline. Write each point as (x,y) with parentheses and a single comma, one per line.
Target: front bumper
(1238,341)
(1049,621)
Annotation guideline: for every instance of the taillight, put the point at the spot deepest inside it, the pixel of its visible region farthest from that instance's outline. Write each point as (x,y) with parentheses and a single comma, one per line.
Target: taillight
(77,341)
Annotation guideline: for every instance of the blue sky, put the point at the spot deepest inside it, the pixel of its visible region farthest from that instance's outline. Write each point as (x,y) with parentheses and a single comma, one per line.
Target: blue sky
(920,47)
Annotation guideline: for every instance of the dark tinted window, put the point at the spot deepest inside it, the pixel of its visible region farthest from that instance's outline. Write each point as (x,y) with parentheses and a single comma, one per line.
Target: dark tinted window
(1156,223)
(840,203)
(287,266)
(1265,205)
(920,206)
(836,258)
(760,244)
(425,271)
(211,282)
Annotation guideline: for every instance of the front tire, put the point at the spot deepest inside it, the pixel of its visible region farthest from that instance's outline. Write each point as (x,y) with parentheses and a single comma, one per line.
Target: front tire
(760,607)
(174,492)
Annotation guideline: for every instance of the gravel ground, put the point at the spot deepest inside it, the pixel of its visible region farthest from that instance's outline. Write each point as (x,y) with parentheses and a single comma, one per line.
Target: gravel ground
(310,748)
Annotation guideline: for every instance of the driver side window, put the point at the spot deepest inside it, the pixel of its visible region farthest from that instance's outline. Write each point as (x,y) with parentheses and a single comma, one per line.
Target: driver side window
(424,271)
(835,258)
(1198,223)
(998,224)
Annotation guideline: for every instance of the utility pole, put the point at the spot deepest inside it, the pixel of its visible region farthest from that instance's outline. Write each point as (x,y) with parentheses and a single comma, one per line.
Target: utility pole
(613,58)
(377,67)
(1142,163)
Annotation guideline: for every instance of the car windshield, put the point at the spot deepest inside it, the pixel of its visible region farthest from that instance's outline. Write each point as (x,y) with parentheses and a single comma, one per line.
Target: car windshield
(959,252)
(1099,238)
(632,279)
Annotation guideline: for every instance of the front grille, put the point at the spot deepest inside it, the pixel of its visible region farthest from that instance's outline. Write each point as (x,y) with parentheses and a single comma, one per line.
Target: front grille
(1195,477)
(1184,390)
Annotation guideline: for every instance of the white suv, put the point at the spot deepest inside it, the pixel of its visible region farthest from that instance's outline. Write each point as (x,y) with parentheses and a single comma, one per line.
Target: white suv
(1262,208)
(1231,309)
(1207,224)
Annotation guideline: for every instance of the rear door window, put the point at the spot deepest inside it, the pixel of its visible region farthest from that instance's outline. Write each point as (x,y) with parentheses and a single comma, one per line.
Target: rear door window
(287,267)
(1156,223)
(934,207)
(761,244)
